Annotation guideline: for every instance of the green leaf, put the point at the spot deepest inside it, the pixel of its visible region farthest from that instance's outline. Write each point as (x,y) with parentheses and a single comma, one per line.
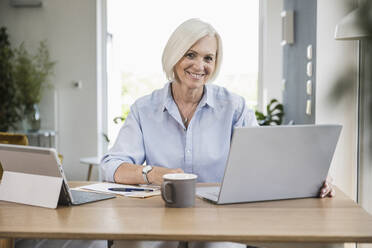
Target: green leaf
(274,115)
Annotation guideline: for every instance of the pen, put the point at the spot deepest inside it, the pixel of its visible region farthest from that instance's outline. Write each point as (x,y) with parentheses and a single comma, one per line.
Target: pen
(130,189)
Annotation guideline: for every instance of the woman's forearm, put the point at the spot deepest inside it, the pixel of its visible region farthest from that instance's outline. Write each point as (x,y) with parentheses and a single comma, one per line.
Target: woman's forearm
(128,173)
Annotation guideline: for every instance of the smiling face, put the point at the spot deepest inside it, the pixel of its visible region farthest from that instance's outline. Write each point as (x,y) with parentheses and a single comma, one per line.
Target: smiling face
(198,64)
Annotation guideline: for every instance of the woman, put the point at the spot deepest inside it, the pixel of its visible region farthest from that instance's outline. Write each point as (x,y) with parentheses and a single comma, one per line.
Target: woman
(185,126)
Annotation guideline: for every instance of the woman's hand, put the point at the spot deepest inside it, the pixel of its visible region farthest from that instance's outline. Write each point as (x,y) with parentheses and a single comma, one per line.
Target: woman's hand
(155,176)
(327,189)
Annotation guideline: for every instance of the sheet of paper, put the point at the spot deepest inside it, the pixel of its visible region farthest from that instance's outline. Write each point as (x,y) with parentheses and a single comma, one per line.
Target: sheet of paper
(104,187)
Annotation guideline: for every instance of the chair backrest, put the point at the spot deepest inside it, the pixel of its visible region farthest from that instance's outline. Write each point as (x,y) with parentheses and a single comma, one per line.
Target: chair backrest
(14,139)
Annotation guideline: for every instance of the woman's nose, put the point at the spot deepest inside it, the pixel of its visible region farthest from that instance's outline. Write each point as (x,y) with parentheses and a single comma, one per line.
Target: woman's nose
(199,64)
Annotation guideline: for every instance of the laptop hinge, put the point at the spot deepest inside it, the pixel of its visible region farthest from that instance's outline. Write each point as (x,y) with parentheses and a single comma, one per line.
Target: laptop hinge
(64,196)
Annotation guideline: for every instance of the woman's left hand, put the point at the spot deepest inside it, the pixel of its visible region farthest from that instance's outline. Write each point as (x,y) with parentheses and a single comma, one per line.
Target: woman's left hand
(327,189)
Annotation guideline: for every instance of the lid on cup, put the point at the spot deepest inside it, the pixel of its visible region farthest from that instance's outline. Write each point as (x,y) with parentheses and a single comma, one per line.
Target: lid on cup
(180,176)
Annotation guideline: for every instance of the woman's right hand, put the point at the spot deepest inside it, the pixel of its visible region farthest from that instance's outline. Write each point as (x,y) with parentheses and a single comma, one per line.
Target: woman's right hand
(155,176)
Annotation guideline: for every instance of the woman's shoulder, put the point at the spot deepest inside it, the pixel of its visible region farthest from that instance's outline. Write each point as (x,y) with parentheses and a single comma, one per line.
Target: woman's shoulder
(226,99)
(153,99)
(242,116)
(221,94)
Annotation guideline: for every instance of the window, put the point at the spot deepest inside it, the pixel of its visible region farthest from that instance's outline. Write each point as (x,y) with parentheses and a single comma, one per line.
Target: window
(138,34)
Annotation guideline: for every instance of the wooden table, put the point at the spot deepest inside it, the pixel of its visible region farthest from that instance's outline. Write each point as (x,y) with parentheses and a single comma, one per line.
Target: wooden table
(329,220)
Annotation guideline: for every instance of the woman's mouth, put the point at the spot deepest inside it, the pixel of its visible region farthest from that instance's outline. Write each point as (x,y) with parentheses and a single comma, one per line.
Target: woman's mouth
(195,76)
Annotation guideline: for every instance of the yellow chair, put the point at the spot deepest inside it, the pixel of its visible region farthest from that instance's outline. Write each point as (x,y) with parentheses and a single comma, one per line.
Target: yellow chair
(14,139)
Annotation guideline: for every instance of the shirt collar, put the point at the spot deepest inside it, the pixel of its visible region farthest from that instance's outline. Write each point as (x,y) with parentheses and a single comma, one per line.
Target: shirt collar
(207,98)
(167,97)
(167,100)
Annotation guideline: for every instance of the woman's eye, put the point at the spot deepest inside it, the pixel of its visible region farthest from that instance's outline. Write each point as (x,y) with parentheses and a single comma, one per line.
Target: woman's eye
(209,58)
(190,55)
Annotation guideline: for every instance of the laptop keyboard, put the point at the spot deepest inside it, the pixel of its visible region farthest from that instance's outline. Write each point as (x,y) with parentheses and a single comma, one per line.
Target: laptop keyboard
(81,197)
(210,193)
(214,191)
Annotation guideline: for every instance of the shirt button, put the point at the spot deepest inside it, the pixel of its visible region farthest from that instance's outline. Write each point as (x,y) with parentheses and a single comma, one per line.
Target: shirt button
(188,151)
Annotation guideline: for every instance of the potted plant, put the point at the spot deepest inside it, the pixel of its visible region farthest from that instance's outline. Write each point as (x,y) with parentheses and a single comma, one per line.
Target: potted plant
(274,114)
(31,75)
(9,100)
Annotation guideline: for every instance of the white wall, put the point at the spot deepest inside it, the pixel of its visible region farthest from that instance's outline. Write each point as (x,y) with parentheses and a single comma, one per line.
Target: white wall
(333,59)
(70,29)
(271,52)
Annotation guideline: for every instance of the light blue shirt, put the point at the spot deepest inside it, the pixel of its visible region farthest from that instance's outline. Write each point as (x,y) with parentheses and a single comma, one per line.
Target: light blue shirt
(154,132)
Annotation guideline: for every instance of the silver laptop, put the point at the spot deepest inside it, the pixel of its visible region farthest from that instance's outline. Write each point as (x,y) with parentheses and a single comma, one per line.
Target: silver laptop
(275,162)
(33,175)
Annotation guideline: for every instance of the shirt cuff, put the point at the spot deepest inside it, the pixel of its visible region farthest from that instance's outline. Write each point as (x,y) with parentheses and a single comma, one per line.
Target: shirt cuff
(109,169)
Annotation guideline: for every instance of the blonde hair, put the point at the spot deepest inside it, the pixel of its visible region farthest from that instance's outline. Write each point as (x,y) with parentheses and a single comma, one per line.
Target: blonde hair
(184,37)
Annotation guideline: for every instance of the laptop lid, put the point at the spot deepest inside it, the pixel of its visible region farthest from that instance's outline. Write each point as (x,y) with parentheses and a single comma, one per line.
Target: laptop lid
(278,162)
(30,175)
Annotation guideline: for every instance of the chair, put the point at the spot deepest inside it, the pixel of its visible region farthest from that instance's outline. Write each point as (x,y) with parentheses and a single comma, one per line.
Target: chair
(14,139)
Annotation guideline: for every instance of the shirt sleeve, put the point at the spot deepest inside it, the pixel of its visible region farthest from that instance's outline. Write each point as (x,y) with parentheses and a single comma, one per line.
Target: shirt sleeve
(245,117)
(128,147)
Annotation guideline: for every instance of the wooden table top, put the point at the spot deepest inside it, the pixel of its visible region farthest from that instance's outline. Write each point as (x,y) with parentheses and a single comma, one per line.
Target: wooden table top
(333,220)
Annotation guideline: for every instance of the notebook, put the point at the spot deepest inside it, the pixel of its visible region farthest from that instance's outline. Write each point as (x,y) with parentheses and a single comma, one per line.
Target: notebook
(33,175)
(275,162)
